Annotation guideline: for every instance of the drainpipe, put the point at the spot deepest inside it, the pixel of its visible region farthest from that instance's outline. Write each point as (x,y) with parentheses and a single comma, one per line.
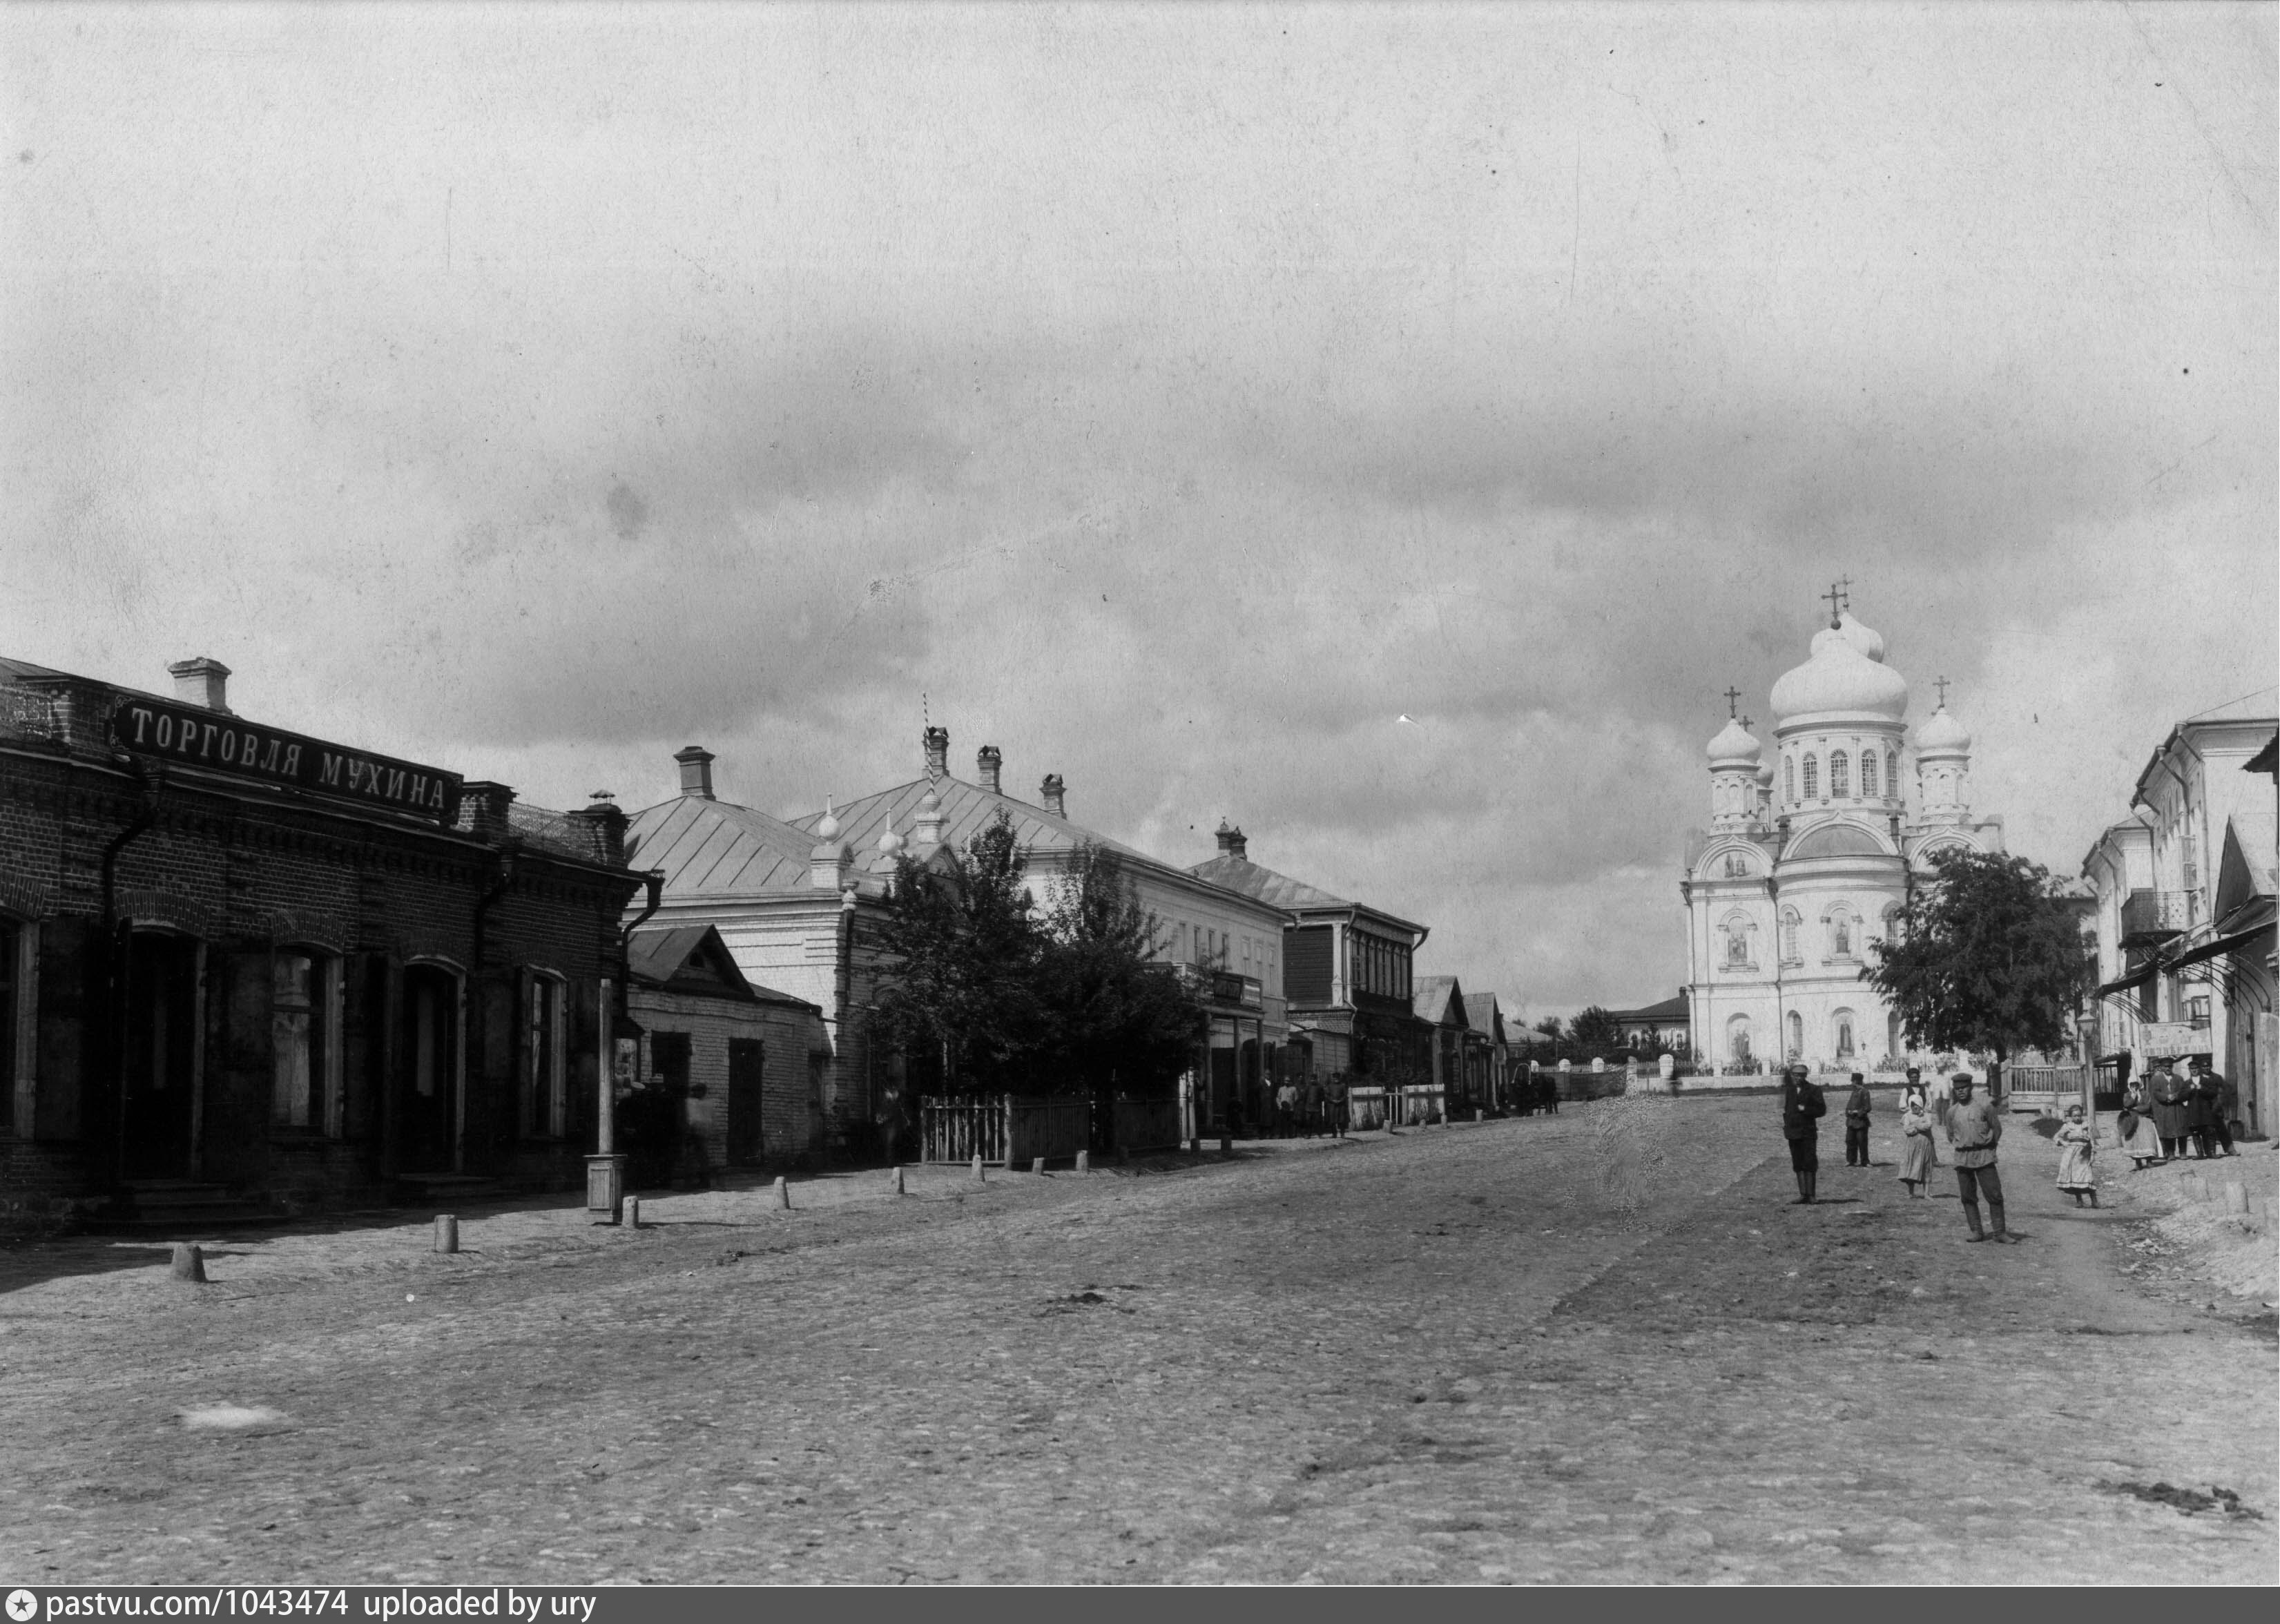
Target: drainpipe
(654,880)
(151,782)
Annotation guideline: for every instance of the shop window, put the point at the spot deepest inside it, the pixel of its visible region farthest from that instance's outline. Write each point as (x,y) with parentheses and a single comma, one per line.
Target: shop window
(298,1038)
(1869,774)
(2197,1012)
(545,1101)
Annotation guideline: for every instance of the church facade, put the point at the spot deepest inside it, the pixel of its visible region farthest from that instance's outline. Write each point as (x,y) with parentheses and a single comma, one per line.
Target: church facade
(1811,854)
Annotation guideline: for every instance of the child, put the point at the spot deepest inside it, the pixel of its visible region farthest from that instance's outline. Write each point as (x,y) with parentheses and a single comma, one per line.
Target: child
(2075,1145)
(1915,1142)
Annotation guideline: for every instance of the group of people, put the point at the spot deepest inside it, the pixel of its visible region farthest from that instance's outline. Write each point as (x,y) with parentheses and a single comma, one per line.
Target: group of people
(1309,1109)
(1973,1126)
(2163,1114)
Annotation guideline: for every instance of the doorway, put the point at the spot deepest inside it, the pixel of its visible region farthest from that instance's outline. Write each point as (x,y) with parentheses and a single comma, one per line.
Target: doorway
(158,1090)
(746,1139)
(429,1070)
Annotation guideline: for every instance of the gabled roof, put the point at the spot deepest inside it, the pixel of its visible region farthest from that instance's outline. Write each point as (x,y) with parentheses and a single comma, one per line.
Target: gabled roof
(718,849)
(1665,1014)
(1481,1014)
(1431,997)
(693,958)
(1248,879)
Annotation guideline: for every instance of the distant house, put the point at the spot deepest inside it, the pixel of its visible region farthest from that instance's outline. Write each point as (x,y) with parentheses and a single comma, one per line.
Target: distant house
(736,1055)
(1657,1027)
(1440,1005)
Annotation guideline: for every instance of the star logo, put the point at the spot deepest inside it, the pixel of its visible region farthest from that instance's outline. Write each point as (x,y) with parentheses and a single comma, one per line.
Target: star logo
(23,1607)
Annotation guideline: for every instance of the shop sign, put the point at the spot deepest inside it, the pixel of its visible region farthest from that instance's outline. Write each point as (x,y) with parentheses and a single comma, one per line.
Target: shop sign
(193,736)
(2169,1039)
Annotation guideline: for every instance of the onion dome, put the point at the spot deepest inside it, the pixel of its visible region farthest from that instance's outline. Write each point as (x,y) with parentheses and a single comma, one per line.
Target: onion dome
(1943,735)
(1734,747)
(890,842)
(1846,677)
(828,828)
(1765,774)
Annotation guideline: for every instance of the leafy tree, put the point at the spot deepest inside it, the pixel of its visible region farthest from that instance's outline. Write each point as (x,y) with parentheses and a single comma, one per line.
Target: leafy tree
(1114,1018)
(959,983)
(1987,956)
(1595,1028)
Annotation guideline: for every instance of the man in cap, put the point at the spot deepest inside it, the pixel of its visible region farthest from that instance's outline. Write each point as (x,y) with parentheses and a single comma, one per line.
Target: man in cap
(1973,1130)
(1856,1123)
(1803,1106)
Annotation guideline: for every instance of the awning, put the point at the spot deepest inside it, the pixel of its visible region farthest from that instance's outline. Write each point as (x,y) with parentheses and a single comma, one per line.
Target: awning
(2219,944)
(2136,978)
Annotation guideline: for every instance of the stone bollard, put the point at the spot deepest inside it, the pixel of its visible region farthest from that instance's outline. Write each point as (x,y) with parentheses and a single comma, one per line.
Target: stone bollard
(447,1233)
(979,1177)
(1036,1163)
(1226,1145)
(2236,1198)
(632,1218)
(1479,1115)
(779,1195)
(895,1181)
(190,1264)
(1084,1161)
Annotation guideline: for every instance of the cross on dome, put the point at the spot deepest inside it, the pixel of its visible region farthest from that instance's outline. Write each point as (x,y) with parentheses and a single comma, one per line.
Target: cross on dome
(1733,703)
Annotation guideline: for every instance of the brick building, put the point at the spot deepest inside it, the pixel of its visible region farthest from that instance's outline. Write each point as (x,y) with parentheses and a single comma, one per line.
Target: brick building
(246,965)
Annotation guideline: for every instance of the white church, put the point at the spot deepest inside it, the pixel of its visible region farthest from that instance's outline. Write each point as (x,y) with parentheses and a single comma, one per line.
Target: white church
(1810,856)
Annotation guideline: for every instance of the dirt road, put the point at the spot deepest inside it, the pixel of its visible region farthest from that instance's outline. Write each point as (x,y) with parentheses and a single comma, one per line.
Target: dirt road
(1597,1346)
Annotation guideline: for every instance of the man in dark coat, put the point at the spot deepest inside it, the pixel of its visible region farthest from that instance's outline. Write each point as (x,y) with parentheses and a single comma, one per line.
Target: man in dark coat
(2171,1118)
(1856,1123)
(1803,1105)
(2215,1100)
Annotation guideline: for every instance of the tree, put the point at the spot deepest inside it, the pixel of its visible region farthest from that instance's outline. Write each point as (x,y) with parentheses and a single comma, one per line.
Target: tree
(960,949)
(1596,1028)
(1115,1019)
(1987,956)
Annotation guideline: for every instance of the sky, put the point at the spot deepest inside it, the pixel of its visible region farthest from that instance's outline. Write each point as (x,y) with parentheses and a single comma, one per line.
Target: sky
(1391,430)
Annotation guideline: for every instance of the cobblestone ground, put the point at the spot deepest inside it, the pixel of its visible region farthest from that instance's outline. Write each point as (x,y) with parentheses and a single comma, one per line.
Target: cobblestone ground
(1595,1346)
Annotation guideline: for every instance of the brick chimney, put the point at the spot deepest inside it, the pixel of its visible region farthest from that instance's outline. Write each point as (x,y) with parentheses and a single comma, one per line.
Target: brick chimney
(607,820)
(1231,842)
(695,771)
(1056,794)
(482,808)
(937,751)
(201,681)
(987,760)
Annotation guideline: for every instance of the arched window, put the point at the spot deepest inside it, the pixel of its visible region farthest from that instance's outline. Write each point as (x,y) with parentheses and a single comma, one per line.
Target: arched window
(1840,778)
(1737,1039)
(301,1038)
(1789,924)
(1843,1025)
(1795,1035)
(1891,773)
(1812,777)
(1789,778)
(1869,774)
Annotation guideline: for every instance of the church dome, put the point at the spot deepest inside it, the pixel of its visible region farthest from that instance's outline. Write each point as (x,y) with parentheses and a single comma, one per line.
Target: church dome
(1848,630)
(1765,774)
(1734,747)
(1943,735)
(1842,678)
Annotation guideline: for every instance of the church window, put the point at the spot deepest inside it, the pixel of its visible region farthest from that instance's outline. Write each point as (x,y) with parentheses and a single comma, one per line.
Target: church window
(1789,924)
(1788,777)
(1795,1035)
(1891,773)
(1840,778)
(1812,777)
(1737,942)
(1869,774)
(1844,1045)
(1840,935)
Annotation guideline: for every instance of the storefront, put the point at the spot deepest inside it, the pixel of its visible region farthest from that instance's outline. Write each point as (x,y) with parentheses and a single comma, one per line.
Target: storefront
(250,964)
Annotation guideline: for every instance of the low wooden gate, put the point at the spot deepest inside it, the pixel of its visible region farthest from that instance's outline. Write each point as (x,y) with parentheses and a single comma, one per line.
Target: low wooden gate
(2047,1087)
(1422,1103)
(1146,1124)
(1365,1107)
(1056,1129)
(959,1130)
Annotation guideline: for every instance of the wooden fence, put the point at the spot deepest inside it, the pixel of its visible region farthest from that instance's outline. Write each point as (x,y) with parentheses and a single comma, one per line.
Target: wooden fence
(2047,1087)
(1146,1125)
(1009,1129)
(1365,1106)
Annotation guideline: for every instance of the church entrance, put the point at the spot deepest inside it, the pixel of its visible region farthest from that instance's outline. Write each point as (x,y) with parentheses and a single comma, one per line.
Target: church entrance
(160,1073)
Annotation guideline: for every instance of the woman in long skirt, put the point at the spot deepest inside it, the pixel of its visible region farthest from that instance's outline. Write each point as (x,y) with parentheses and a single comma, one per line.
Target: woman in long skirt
(1915,1143)
(2141,1140)
(2076,1177)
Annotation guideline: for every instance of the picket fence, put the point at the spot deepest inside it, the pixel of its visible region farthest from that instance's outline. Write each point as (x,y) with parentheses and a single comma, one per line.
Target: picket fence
(1012,1130)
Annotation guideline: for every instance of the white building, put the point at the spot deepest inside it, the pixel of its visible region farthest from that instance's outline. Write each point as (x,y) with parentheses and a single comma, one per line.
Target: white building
(1810,855)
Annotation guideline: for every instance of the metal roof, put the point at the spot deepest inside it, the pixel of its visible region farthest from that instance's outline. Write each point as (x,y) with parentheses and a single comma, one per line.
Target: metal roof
(718,849)
(1240,875)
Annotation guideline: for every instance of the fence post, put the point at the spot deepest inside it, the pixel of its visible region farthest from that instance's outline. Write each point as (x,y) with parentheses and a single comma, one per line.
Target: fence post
(978,1177)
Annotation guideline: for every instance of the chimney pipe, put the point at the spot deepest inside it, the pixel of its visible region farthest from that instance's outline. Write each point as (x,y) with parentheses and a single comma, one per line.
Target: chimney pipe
(695,771)
(1231,842)
(937,751)
(1054,791)
(201,681)
(986,763)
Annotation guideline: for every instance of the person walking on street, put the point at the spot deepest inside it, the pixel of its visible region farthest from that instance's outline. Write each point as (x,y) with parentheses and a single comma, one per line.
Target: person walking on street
(2223,1099)
(2170,1118)
(1915,1143)
(1803,1105)
(2077,1146)
(1973,1131)
(1856,1123)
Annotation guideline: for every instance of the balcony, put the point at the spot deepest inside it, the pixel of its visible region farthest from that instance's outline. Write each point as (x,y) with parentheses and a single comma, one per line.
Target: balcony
(2155,916)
